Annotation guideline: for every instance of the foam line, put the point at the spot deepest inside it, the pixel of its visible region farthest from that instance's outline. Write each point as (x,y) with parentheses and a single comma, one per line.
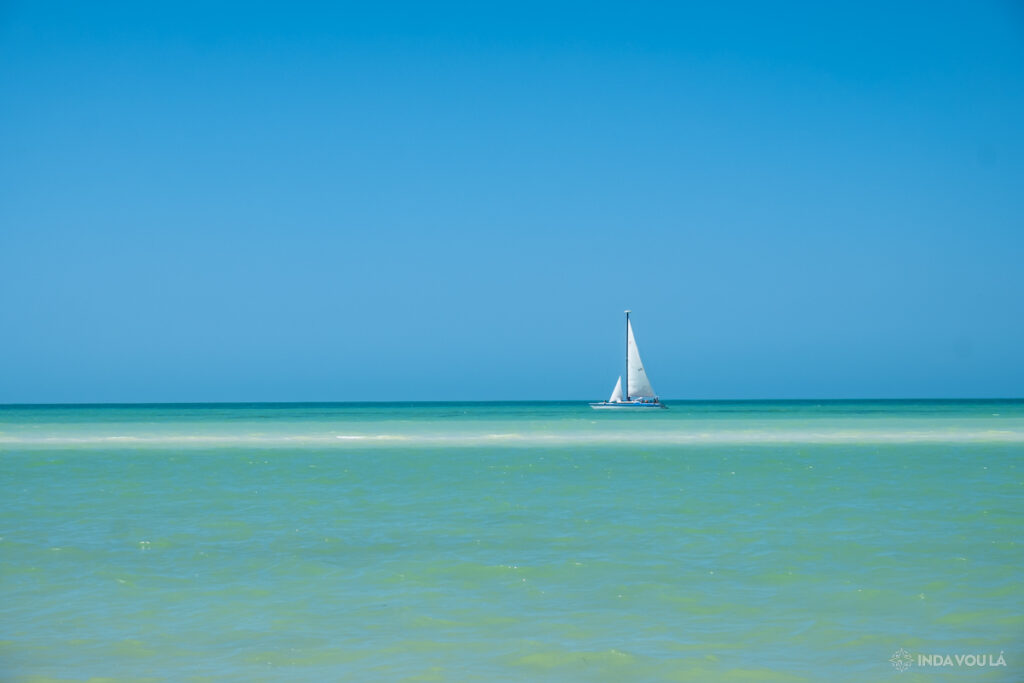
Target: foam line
(676,437)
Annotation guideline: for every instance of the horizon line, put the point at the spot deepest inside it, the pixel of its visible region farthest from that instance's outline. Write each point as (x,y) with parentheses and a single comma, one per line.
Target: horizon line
(506,401)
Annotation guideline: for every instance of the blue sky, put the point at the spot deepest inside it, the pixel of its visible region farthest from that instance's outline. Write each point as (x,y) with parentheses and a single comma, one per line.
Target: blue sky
(217,202)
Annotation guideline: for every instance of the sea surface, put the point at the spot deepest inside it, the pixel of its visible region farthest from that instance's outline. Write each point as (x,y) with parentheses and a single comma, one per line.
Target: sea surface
(714,541)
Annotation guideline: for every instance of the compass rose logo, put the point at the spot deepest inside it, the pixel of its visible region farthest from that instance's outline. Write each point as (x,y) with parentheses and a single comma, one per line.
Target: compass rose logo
(901,660)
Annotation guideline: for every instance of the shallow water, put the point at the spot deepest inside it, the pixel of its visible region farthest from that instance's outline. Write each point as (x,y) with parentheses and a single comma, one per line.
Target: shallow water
(711,541)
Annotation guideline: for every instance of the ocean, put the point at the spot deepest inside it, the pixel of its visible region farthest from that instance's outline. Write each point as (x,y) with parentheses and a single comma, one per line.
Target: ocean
(714,541)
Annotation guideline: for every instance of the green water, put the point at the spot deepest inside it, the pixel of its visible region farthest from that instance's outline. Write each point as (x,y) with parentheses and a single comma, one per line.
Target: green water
(712,541)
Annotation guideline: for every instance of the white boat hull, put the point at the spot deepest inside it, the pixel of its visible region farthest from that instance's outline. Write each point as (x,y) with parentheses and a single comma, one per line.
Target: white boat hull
(627,405)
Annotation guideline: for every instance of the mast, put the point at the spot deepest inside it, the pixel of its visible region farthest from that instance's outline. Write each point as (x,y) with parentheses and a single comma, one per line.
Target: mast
(627,354)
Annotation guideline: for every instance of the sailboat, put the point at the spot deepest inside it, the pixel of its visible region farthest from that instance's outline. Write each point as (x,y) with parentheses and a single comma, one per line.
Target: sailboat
(639,392)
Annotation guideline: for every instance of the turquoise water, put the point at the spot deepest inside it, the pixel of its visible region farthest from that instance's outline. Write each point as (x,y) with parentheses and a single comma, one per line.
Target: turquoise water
(731,541)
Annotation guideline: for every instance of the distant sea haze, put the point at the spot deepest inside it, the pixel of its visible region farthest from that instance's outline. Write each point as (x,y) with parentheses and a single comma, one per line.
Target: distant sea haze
(726,541)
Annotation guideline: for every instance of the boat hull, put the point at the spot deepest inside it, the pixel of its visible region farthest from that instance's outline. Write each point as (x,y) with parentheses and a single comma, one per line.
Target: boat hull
(627,405)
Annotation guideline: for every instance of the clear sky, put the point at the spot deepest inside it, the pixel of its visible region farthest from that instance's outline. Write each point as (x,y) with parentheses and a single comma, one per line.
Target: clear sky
(217,202)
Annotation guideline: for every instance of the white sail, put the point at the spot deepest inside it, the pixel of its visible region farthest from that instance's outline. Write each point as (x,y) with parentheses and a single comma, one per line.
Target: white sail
(617,393)
(637,384)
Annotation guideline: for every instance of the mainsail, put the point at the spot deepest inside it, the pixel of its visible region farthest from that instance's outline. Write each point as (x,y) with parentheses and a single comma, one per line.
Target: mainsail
(637,384)
(617,393)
